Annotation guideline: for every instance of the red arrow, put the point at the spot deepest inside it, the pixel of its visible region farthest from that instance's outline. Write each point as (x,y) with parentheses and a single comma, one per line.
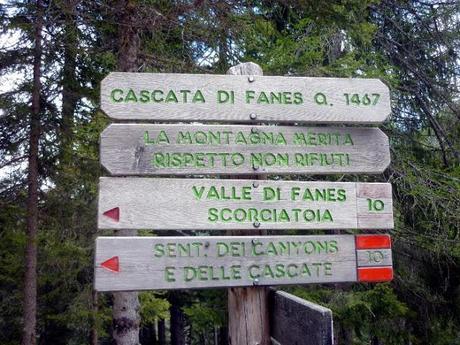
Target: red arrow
(112,264)
(113,213)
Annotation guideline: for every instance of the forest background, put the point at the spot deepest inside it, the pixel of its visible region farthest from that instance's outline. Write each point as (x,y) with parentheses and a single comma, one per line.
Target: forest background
(53,56)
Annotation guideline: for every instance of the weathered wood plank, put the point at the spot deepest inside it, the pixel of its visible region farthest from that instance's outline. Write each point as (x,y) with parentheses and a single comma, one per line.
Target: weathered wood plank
(230,98)
(145,263)
(295,321)
(148,149)
(168,204)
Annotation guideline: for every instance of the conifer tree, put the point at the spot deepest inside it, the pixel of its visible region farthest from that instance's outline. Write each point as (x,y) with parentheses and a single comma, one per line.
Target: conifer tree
(30,280)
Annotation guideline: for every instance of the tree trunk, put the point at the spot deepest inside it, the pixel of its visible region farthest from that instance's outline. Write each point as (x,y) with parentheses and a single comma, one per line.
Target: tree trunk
(93,332)
(345,335)
(248,321)
(375,341)
(128,36)
(69,87)
(161,332)
(30,279)
(223,335)
(153,334)
(125,314)
(177,319)
(126,318)
(148,335)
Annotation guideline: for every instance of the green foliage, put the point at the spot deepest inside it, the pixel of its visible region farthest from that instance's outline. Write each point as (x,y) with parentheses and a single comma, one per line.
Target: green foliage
(11,272)
(367,312)
(153,307)
(323,39)
(207,312)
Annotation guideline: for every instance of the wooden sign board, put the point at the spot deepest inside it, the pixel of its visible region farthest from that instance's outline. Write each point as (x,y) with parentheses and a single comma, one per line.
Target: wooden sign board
(148,149)
(237,98)
(206,204)
(293,319)
(148,263)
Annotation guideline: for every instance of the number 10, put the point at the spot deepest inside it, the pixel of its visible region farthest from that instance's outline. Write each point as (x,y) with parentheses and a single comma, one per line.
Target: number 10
(375,205)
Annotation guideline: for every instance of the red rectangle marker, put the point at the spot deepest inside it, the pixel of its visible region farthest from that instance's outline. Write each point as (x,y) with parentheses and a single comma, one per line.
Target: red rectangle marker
(373,242)
(375,274)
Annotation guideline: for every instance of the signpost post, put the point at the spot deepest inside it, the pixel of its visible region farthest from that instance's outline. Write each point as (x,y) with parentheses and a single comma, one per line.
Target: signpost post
(248,314)
(248,262)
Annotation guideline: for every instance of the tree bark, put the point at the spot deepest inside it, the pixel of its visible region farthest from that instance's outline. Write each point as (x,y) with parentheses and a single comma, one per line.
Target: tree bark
(30,280)
(126,318)
(93,333)
(128,37)
(248,322)
(161,332)
(223,335)
(148,334)
(69,86)
(177,326)
(153,334)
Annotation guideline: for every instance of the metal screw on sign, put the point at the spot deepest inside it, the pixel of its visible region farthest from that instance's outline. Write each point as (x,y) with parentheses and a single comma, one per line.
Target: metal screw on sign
(255,168)
(251,78)
(254,130)
(255,282)
(256,224)
(255,184)
(252,116)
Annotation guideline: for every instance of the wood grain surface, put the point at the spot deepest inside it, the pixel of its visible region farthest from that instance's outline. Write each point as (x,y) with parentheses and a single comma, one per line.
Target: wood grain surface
(182,263)
(169,204)
(294,320)
(154,149)
(148,263)
(230,98)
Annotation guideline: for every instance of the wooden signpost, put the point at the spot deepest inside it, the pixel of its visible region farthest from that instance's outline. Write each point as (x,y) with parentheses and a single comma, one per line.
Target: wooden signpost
(146,263)
(206,204)
(249,206)
(238,98)
(151,149)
